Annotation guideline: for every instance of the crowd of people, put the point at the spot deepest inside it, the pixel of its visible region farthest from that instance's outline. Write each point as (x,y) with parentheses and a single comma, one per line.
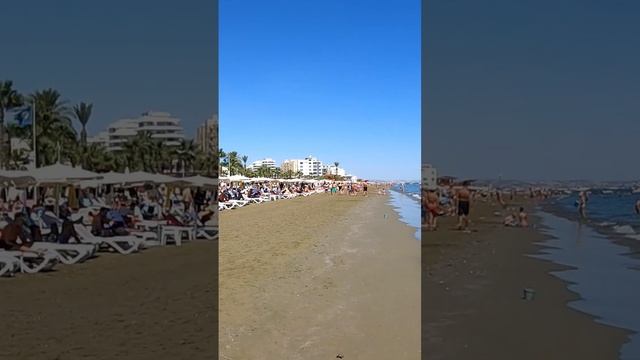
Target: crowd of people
(107,212)
(274,189)
(456,200)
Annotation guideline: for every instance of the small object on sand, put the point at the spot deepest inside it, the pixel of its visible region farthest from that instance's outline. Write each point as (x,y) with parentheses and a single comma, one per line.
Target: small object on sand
(339,356)
(528,294)
(385,215)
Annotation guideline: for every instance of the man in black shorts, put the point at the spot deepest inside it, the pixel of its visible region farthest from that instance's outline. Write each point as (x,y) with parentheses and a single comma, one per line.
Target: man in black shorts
(463,197)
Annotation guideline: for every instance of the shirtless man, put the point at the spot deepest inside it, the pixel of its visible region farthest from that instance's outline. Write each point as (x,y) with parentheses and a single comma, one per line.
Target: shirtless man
(463,200)
(500,199)
(582,204)
(523,218)
(432,209)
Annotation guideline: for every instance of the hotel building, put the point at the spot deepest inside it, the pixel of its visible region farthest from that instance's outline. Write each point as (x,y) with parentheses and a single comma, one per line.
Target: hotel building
(429,177)
(308,166)
(207,136)
(268,162)
(161,125)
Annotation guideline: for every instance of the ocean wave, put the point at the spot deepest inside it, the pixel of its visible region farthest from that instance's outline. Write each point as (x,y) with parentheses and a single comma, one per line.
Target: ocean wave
(634,237)
(606,223)
(624,229)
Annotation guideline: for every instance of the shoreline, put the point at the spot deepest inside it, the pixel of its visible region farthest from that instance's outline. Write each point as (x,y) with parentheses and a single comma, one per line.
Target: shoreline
(476,280)
(354,271)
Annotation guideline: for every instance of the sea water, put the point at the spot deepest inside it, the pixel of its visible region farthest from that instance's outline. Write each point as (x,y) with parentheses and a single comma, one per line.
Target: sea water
(602,273)
(407,204)
(607,212)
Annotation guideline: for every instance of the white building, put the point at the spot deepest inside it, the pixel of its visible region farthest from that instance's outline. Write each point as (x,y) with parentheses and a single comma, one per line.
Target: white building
(268,162)
(429,176)
(207,136)
(331,170)
(161,125)
(308,166)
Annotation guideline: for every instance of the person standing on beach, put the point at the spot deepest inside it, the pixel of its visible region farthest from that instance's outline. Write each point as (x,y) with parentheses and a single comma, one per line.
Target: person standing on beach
(582,204)
(432,209)
(463,199)
(637,207)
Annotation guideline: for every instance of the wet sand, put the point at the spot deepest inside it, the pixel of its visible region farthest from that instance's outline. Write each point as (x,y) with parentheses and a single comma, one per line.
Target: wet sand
(317,278)
(157,304)
(473,285)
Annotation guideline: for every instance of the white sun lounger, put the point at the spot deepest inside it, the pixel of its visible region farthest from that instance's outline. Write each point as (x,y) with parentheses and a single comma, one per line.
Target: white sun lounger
(67,253)
(9,265)
(239,203)
(32,263)
(123,244)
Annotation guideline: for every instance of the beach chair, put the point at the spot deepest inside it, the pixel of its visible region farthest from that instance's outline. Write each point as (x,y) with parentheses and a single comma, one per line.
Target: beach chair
(67,253)
(124,245)
(9,265)
(239,203)
(32,263)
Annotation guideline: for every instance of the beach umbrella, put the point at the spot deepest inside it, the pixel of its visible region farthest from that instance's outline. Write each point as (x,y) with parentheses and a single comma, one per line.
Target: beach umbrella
(238,178)
(62,174)
(201,181)
(16,178)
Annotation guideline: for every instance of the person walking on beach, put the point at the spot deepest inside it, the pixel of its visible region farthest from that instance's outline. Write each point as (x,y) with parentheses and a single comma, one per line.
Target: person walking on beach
(432,209)
(523,218)
(582,204)
(463,199)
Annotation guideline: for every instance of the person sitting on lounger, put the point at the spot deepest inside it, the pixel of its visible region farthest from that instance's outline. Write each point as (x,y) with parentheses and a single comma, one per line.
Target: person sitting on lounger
(13,237)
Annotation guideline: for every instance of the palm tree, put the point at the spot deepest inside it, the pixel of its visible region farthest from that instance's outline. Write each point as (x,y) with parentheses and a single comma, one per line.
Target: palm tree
(336,165)
(53,126)
(185,155)
(9,99)
(234,162)
(82,113)
(244,162)
(137,151)
(222,159)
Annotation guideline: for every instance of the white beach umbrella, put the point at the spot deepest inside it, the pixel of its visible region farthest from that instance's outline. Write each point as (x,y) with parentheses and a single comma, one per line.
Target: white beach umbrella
(62,174)
(201,181)
(16,177)
(238,178)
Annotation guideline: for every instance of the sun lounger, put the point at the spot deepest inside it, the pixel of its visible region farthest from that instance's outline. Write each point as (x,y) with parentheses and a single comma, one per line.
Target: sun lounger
(32,263)
(123,244)
(239,203)
(9,265)
(67,253)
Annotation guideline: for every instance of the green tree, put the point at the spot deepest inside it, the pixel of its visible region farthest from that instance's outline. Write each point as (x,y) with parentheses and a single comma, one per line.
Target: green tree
(82,113)
(54,130)
(9,100)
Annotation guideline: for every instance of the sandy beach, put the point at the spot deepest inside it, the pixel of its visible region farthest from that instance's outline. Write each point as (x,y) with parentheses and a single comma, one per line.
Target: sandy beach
(321,277)
(474,284)
(157,304)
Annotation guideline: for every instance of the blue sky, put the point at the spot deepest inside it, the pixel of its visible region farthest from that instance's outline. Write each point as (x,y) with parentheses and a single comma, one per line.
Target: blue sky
(125,57)
(339,80)
(533,89)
